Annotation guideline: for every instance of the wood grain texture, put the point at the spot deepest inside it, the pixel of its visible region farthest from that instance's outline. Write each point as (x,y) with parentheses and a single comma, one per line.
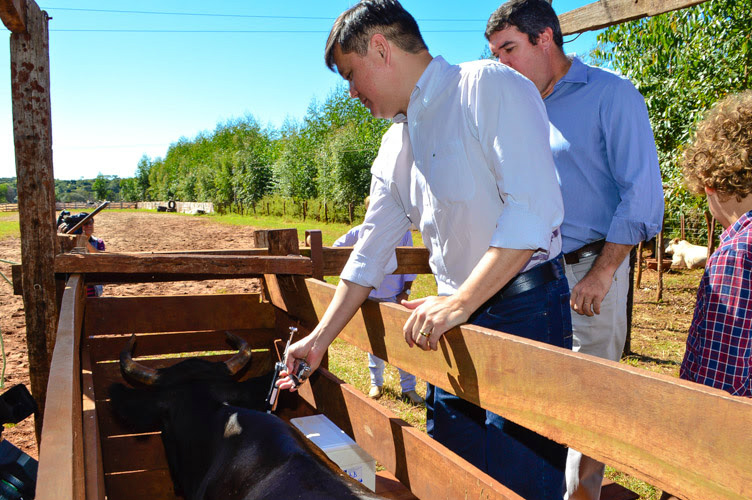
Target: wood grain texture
(118,315)
(61,457)
(211,266)
(679,436)
(605,13)
(32,139)
(13,14)
(94,471)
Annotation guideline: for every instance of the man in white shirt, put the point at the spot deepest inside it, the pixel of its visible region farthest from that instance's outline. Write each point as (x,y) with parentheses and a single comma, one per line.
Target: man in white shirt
(471,167)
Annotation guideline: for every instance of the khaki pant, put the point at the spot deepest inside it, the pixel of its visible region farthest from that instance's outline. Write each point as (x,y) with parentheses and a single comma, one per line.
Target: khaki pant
(602,335)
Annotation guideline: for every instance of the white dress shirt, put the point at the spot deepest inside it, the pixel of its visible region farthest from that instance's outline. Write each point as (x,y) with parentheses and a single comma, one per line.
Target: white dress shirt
(479,173)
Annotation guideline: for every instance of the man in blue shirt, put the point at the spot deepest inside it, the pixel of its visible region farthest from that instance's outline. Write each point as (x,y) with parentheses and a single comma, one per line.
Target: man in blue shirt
(607,163)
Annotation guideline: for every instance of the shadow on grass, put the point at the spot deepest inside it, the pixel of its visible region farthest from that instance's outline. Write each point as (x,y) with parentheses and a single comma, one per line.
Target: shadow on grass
(642,358)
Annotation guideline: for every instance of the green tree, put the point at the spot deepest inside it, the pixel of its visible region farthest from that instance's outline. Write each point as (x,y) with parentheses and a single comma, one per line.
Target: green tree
(682,62)
(129,189)
(100,187)
(142,178)
(4,193)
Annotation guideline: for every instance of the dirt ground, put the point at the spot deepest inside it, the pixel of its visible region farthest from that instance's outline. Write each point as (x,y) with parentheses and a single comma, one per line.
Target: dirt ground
(122,232)
(658,336)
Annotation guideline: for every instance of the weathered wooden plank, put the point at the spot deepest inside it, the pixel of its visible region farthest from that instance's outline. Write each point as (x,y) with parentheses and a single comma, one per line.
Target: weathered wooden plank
(286,292)
(313,240)
(13,14)
(410,260)
(219,251)
(32,134)
(61,458)
(108,347)
(128,453)
(114,315)
(403,450)
(94,471)
(153,484)
(194,264)
(604,13)
(679,436)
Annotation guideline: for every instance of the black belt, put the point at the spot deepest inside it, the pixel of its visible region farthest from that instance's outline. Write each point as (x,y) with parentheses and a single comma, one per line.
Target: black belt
(588,250)
(532,278)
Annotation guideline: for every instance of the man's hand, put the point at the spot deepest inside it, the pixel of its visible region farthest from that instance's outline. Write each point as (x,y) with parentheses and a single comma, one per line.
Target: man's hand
(303,349)
(588,294)
(432,317)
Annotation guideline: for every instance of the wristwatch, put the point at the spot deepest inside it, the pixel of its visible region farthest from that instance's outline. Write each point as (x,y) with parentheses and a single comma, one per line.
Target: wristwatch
(406,291)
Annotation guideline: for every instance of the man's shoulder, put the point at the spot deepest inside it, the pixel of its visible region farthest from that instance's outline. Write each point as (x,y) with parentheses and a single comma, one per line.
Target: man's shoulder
(607,78)
(483,67)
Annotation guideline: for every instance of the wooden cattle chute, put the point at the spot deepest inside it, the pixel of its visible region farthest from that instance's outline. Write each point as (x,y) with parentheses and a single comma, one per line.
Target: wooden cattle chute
(679,436)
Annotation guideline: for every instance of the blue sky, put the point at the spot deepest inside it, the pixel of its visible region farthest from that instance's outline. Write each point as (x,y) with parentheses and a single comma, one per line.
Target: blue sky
(117,95)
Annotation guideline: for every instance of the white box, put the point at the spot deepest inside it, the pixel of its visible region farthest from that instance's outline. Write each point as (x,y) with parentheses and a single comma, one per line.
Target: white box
(339,447)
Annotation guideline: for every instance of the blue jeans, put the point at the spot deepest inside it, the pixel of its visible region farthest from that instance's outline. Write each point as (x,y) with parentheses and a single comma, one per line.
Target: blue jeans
(527,463)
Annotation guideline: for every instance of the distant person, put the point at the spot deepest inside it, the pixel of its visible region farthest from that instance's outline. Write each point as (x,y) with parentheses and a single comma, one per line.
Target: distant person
(394,288)
(718,163)
(605,155)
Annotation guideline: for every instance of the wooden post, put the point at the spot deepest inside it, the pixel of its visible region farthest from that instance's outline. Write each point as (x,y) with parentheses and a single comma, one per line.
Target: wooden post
(289,293)
(659,263)
(638,279)
(630,301)
(681,222)
(32,131)
(710,221)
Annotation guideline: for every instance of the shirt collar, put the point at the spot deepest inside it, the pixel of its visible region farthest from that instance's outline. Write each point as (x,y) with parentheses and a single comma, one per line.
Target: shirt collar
(429,81)
(737,227)
(577,74)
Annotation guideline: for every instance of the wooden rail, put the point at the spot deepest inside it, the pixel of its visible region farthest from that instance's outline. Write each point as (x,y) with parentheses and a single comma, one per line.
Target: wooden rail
(680,436)
(604,13)
(61,448)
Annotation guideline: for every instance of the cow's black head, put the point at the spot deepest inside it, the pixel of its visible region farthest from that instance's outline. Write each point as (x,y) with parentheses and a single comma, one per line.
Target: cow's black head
(181,401)
(162,390)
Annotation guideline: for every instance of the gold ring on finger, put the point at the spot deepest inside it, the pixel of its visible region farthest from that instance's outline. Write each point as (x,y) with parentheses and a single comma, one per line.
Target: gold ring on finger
(424,334)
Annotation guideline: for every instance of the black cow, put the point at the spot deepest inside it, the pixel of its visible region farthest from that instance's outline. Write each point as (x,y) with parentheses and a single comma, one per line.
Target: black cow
(219,443)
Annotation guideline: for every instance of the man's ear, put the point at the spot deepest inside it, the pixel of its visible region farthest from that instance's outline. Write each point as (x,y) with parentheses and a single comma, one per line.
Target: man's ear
(546,37)
(710,191)
(381,47)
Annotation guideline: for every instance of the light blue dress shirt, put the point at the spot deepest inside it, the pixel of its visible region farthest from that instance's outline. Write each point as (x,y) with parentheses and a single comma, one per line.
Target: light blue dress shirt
(605,155)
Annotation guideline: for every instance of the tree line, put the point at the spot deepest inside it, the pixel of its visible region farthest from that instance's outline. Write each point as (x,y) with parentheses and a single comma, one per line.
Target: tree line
(325,157)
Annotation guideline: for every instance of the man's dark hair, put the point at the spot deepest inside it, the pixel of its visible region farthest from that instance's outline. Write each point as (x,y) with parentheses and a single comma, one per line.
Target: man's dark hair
(353,29)
(531,17)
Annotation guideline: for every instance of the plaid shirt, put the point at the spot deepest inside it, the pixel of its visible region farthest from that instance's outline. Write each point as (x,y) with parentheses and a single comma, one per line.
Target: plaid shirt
(719,345)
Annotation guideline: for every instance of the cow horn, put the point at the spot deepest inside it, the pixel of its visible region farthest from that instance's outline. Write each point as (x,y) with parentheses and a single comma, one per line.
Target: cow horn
(133,370)
(239,360)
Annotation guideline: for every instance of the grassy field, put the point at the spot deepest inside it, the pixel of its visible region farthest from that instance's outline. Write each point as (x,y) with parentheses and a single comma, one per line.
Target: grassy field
(9,226)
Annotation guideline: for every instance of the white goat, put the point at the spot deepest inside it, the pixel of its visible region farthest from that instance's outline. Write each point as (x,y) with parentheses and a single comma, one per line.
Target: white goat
(685,254)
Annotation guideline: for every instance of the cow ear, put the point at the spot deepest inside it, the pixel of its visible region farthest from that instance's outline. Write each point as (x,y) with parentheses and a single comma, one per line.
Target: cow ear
(135,408)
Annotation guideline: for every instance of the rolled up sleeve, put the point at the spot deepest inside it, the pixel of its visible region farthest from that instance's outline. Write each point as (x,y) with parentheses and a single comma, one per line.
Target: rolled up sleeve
(633,160)
(515,141)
